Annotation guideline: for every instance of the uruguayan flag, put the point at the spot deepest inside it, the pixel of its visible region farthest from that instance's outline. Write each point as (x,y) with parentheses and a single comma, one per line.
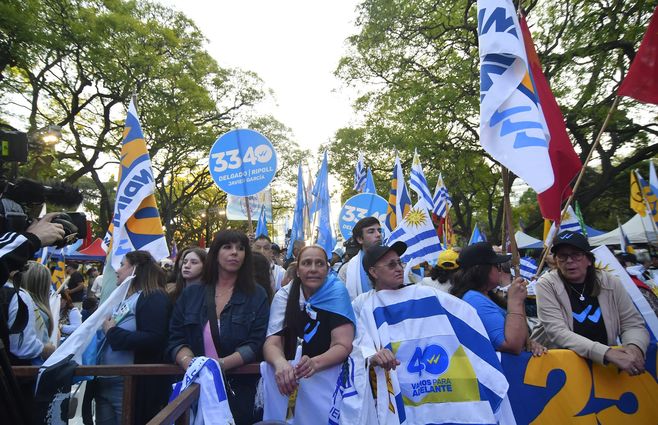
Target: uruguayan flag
(512,126)
(359,174)
(441,199)
(418,183)
(417,231)
(569,223)
(476,236)
(448,372)
(528,267)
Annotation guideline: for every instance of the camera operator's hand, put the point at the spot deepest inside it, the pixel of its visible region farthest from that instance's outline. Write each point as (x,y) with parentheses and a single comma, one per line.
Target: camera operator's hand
(47,232)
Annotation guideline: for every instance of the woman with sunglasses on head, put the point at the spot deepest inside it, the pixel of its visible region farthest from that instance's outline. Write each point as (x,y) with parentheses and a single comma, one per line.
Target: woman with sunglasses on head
(135,333)
(504,320)
(225,318)
(315,308)
(587,310)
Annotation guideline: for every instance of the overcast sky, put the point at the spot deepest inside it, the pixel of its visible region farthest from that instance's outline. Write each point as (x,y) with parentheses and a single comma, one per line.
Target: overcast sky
(294,46)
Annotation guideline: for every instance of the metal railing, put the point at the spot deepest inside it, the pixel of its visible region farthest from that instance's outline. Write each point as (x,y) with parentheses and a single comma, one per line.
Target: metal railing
(177,410)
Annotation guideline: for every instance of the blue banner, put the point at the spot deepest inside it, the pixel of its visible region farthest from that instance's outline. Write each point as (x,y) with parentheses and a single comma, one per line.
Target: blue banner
(242,162)
(361,206)
(562,387)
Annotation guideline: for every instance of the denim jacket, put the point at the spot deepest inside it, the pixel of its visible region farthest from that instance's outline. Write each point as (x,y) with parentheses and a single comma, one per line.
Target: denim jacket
(242,323)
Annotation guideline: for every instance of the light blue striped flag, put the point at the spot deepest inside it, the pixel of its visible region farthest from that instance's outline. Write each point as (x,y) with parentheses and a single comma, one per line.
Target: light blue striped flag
(528,267)
(321,204)
(417,231)
(359,174)
(418,183)
(441,199)
(432,335)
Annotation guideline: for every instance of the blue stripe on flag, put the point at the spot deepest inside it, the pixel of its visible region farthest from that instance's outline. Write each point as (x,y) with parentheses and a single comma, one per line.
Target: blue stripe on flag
(412,309)
(421,253)
(399,403)
(419,237)
(490,396)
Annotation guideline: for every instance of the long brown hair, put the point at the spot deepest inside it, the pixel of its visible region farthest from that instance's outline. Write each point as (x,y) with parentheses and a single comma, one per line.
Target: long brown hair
(245,280)
(149,276)
(180,282)
(293,320)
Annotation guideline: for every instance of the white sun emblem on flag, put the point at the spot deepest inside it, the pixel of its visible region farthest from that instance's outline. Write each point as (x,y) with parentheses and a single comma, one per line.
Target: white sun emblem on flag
(415,217)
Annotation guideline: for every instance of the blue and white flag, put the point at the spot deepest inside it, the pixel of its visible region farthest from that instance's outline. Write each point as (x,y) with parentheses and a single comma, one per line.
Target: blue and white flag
(321,206)
(297,230)
(477,236)
(512,125)
(136,223)
(417,231)
(528,267)
(448,372)
(359,174)
(418,183)
(441,200)
(261,227)
(370,184)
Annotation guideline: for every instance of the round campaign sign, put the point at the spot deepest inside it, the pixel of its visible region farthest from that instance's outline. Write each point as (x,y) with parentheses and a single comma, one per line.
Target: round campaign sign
(361,206)
(242,162)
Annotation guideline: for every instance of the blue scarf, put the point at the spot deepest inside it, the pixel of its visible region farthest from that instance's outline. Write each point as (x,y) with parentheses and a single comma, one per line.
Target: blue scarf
(333,297)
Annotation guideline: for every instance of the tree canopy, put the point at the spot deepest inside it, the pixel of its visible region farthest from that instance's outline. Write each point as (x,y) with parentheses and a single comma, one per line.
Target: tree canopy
(416,63)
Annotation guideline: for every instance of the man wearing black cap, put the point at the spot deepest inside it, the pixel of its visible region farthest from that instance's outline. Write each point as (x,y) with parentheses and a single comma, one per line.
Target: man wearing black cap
(367,232)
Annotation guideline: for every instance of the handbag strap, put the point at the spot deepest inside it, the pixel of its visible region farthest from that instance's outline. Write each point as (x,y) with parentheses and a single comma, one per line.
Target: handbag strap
(212,317)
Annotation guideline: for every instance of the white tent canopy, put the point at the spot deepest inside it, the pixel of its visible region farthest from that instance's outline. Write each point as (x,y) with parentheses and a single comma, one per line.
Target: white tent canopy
(637,229)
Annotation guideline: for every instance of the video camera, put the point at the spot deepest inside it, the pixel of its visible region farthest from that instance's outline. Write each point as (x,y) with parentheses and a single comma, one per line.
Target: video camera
(20,199)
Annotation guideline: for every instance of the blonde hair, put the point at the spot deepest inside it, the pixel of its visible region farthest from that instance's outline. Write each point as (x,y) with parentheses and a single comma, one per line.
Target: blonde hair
(37,281)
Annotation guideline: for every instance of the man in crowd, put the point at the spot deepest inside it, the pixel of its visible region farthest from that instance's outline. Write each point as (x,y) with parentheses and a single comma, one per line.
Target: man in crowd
(367,232)
(263,244)
(75,287)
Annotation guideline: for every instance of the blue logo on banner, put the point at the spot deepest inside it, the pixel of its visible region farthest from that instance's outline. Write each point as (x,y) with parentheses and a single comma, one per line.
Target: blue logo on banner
(242,162)
(361,206)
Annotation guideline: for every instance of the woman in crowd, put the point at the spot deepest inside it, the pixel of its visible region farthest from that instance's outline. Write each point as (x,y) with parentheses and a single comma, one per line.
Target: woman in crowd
(37,282)
(70,317)
(263,274)
(587,310)
(189,271)
(441,274)
(505,322)
(316,308)
(225,319)
(135,333)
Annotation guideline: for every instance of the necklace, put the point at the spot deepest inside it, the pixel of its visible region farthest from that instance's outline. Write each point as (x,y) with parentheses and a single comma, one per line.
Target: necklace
(581,294)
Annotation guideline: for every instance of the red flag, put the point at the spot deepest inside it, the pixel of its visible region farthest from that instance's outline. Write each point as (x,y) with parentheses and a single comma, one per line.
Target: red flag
(641,81)
(564,160)
(202,241)
(88,240)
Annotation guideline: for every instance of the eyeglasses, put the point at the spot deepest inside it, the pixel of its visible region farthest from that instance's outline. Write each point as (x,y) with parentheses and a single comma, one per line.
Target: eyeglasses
(392,265)
(575,256)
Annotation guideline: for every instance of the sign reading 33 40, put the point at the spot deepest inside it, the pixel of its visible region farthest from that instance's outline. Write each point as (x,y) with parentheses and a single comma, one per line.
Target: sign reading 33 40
(242,162)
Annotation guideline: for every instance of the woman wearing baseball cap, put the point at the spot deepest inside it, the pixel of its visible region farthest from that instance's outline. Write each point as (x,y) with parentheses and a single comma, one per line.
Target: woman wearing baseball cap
(505,321)
(441,274)
(586,310)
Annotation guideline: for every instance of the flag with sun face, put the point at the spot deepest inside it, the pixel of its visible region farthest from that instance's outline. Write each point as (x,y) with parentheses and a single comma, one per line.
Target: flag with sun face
(417,231)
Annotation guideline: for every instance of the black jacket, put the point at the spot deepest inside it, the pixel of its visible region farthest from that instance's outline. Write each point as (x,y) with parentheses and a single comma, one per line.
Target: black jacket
(148,341)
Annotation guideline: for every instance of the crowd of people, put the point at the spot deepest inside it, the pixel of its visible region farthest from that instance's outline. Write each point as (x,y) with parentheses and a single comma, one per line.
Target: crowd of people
(240,302)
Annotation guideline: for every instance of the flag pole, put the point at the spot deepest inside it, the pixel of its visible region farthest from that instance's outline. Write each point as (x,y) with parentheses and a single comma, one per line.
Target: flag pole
(249,223)
(549,243)
(507,210)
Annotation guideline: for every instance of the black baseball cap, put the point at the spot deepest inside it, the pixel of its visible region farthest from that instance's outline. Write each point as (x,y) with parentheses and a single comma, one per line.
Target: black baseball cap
(480,253)
(575,239)
(374,253)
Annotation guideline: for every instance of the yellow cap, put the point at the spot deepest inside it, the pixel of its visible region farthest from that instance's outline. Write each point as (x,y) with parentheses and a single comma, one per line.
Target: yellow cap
(448,259)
